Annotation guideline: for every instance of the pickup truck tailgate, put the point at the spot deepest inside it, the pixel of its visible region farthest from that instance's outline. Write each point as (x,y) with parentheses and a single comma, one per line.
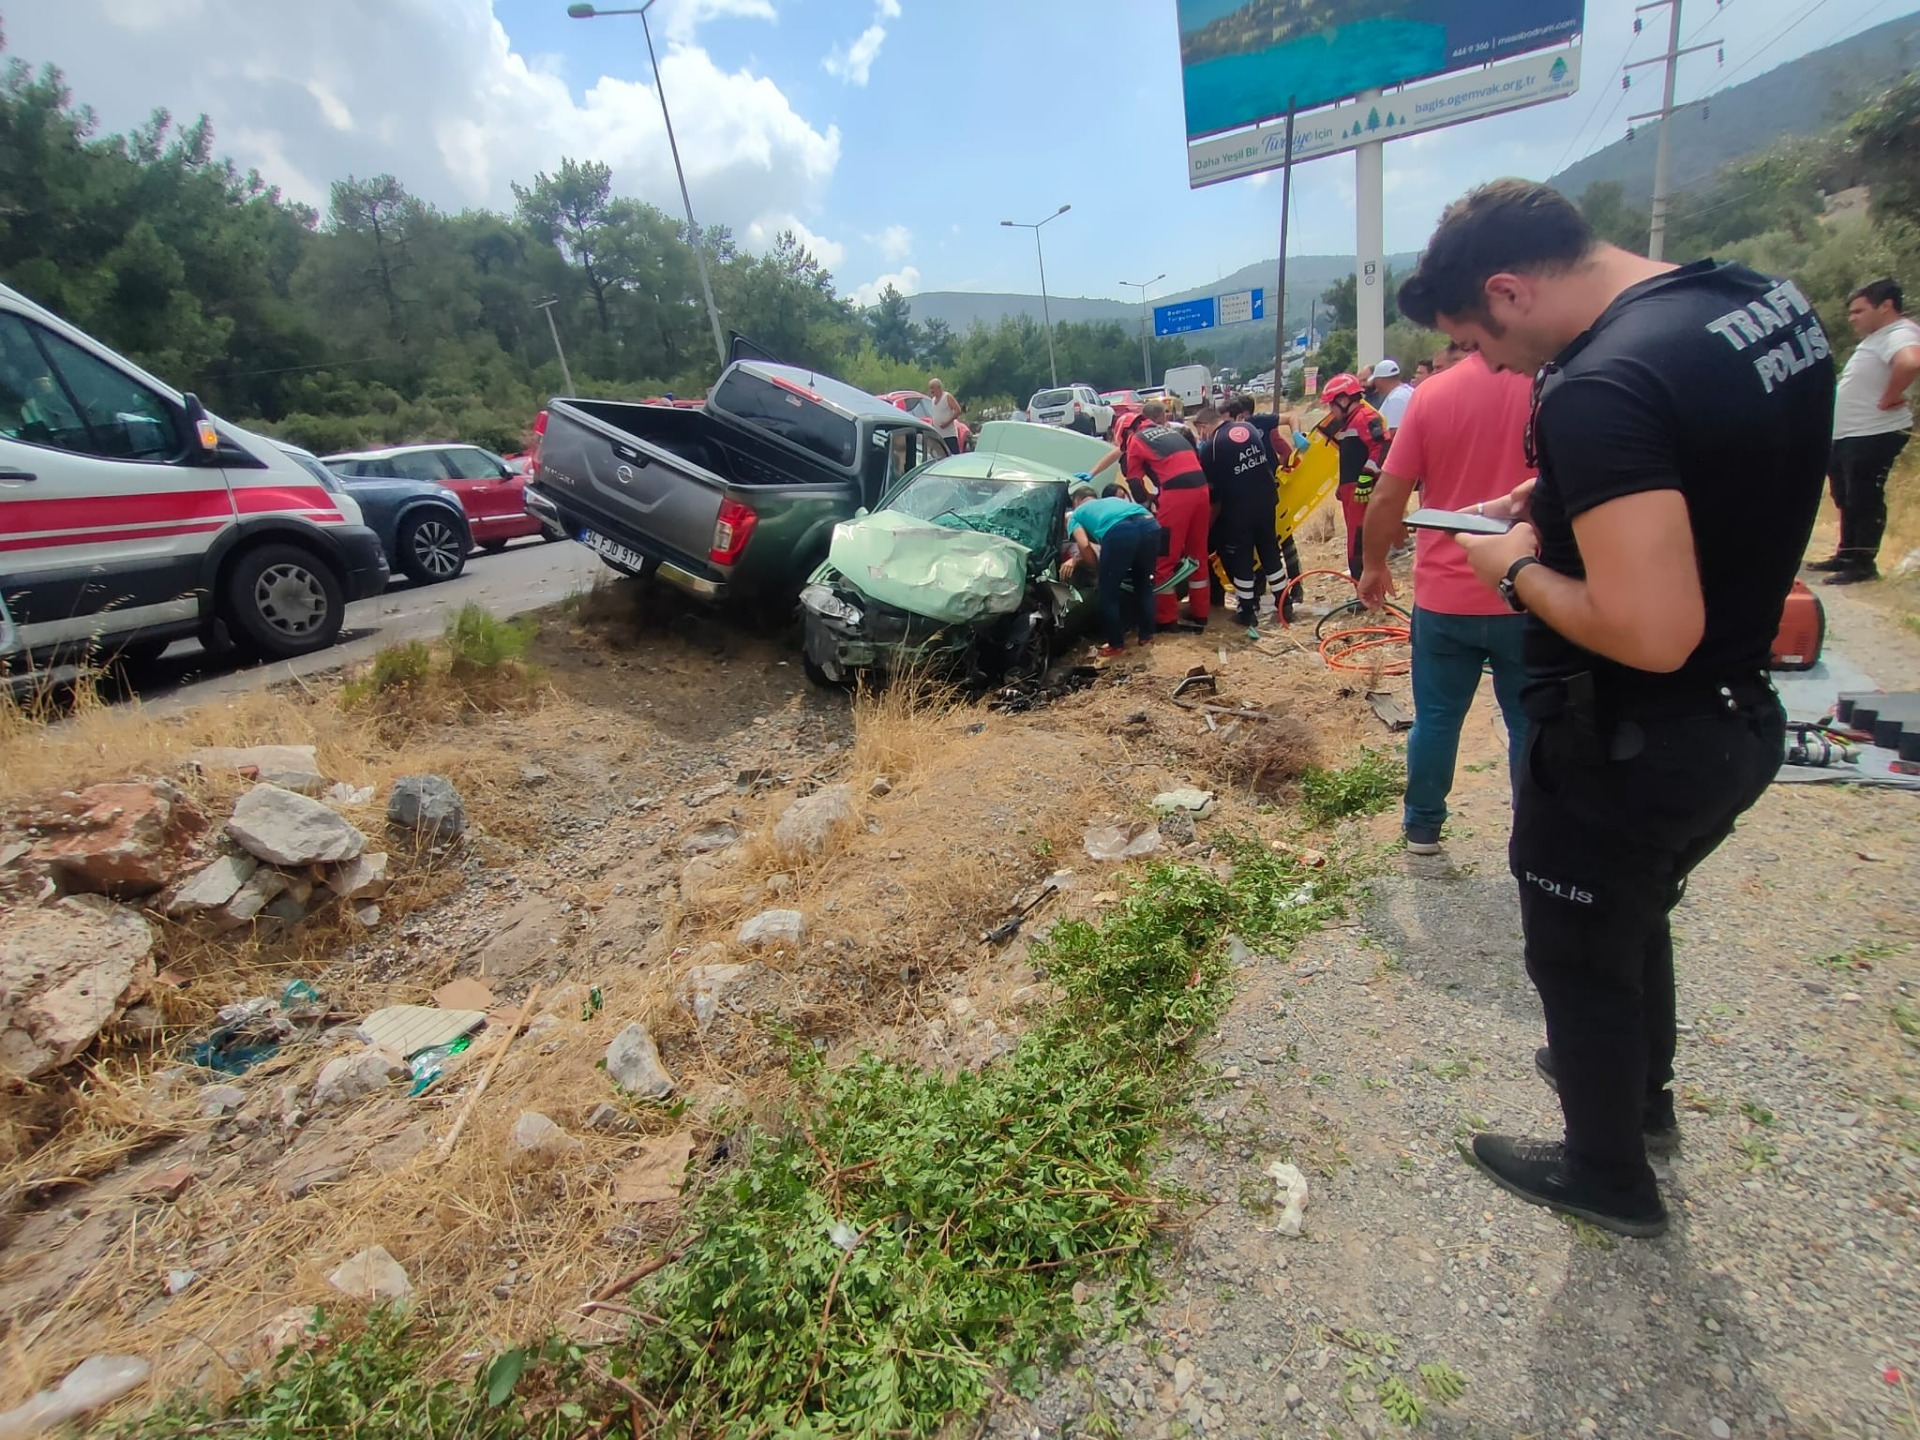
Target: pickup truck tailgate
(658,490)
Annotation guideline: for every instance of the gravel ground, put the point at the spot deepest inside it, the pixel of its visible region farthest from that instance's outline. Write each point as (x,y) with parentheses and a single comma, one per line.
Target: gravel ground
(1788,1283)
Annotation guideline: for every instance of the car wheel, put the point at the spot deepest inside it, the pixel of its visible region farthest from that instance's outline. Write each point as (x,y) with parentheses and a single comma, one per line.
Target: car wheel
(284,601)
(827,678)
(431,547)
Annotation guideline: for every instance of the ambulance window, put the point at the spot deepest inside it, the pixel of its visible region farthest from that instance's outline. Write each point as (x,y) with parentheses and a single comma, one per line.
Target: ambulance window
(55,394)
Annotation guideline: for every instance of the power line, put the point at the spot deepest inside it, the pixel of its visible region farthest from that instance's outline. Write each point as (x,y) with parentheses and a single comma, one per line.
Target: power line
(1778,36)
(1617,71)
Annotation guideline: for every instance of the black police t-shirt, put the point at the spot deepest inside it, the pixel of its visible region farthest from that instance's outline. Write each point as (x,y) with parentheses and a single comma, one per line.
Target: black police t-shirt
(1714,381)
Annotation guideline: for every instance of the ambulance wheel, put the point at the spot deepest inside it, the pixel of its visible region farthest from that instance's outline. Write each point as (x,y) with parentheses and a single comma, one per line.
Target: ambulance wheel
(283,601)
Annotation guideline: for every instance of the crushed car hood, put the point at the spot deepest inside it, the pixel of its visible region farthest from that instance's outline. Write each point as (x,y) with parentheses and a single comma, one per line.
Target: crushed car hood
(952,575)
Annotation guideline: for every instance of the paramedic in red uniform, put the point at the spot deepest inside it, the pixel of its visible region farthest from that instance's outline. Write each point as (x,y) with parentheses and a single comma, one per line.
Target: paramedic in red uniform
(1166,457)
(1360,435)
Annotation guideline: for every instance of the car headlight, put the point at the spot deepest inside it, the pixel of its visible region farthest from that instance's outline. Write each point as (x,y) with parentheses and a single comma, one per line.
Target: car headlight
(821,600)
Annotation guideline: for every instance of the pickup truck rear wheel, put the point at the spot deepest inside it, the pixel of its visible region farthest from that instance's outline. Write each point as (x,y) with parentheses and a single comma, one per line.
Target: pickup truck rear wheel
(431,547)
(283,601)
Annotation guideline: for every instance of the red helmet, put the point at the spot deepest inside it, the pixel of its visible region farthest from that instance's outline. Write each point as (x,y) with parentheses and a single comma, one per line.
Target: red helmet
(1341,385)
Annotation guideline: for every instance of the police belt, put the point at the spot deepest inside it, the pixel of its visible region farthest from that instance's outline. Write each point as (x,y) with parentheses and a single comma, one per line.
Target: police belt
(1581,698)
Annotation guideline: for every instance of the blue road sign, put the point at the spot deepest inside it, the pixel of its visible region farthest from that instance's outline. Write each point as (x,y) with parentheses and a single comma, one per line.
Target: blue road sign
(1187,315)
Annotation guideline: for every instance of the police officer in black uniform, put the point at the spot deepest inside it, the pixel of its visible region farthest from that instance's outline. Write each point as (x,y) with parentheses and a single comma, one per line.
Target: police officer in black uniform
(1680,424)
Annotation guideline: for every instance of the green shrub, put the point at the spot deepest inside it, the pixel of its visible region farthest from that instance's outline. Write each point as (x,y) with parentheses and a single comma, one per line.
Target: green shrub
(477,640)
(1366,787)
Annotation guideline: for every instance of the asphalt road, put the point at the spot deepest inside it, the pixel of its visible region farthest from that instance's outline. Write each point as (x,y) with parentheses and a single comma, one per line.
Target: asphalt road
(525,576)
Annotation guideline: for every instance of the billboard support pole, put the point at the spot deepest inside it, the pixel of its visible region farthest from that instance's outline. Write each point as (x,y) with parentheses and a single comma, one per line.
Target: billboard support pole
(1370,289)
(1280,307)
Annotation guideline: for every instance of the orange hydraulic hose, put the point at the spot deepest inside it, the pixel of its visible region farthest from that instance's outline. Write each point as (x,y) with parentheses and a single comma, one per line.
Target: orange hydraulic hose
(1337,647)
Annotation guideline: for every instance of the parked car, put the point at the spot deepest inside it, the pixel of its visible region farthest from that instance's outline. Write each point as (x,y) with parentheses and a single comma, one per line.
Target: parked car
(1188,384)
(491,495)
(421,525)
(1073,407)
(1122,402)
(734,500)
(1151,392)
(130,517)
(921,408)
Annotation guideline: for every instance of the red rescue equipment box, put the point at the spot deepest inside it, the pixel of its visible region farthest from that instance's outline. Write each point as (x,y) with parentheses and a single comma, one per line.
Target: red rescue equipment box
(1803,630)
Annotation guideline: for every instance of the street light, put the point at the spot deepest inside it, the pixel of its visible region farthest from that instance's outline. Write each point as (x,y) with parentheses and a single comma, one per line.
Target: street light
(1045,313)
(589,12)
(1146,363)
(547,303)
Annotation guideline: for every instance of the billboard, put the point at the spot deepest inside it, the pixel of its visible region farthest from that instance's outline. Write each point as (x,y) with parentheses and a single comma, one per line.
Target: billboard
(1513,85)
(1242,60)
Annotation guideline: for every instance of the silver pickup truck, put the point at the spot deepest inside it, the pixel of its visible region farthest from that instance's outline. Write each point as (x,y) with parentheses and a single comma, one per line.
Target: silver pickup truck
(735,499)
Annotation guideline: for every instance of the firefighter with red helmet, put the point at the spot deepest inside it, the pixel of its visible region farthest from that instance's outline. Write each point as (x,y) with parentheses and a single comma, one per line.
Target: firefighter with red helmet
(1360,436)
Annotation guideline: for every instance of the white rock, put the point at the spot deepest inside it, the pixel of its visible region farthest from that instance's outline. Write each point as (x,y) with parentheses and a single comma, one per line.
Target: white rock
(285,828)
(774,927)
(179,1281)
(362,878)
(67,970)
(292,767)
(633,1063)
(367,916)
(211,886)
(347,1078)
(1197,803)
(707,985)
(535,1139)
(342,793)
(810,822)
(261,889)
(92,1383)
(373,1275)
(218,1100)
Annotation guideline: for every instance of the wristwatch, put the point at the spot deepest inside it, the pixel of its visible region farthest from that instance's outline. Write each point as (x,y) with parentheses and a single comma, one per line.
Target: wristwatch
(1507,592)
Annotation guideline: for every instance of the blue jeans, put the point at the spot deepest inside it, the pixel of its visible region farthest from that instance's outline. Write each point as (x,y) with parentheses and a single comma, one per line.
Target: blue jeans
(1448,653)
(1128,553)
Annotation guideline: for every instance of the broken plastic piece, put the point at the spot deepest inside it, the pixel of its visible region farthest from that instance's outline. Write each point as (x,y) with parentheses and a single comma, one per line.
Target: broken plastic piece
(1122,842)
(426,1067)
(1291,1188)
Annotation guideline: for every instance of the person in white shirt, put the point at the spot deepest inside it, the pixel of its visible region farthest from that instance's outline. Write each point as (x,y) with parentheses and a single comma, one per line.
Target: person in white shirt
(1871,422)
(946,413)
(1390,394)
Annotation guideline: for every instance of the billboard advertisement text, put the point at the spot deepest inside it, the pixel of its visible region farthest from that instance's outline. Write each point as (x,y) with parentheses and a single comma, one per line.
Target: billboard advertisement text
(1242,60)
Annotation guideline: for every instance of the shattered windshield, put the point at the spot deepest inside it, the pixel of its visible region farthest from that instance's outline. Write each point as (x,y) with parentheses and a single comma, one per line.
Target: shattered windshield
(1020,507)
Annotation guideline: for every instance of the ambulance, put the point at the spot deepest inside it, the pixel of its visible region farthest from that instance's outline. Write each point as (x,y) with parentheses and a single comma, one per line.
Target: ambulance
(130,517)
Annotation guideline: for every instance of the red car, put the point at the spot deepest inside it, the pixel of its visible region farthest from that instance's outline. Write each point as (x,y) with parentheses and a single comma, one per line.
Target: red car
(489,490)
(1124,402)
(921,408)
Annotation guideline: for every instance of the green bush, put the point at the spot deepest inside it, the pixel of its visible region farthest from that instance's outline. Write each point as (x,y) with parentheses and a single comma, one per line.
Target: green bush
(478,641)
(1366,787)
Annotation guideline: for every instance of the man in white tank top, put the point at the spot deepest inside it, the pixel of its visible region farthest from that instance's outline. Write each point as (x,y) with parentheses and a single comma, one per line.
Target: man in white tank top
(946,413)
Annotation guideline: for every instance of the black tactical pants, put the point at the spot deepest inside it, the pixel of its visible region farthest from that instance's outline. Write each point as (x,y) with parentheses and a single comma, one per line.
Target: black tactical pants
(1612,812)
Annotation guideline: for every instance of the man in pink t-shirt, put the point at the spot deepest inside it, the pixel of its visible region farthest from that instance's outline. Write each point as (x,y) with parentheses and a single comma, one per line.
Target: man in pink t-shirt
(1460,443)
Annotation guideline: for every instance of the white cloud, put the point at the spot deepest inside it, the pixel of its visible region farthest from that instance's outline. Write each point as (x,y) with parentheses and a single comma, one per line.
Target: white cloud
(906,280)
(312,93)
(761,233)
(854,63)
(894,243)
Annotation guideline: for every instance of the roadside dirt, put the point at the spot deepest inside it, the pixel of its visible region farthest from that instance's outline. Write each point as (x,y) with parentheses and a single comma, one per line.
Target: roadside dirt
(1788,1285)
(1785,1290)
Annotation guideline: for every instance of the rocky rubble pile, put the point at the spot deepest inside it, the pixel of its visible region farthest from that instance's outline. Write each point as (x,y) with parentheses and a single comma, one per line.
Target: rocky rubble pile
(83,872)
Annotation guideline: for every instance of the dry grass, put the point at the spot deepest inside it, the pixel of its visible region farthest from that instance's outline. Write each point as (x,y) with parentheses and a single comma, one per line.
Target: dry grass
(1266,758)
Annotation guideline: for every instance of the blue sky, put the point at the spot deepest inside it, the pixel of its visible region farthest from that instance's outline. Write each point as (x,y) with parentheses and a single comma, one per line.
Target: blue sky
(895,134)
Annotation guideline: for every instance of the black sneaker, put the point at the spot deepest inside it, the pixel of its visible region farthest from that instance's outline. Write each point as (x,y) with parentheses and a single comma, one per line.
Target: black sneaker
(1659,1126)
(1536,1171)
(1853,575)
(1830,564)
(1423,839)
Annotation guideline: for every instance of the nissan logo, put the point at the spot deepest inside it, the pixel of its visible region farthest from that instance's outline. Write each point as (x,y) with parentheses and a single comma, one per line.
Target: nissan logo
(624,474)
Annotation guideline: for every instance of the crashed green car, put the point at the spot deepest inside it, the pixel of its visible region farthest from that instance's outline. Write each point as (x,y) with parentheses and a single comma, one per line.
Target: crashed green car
(958,571)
